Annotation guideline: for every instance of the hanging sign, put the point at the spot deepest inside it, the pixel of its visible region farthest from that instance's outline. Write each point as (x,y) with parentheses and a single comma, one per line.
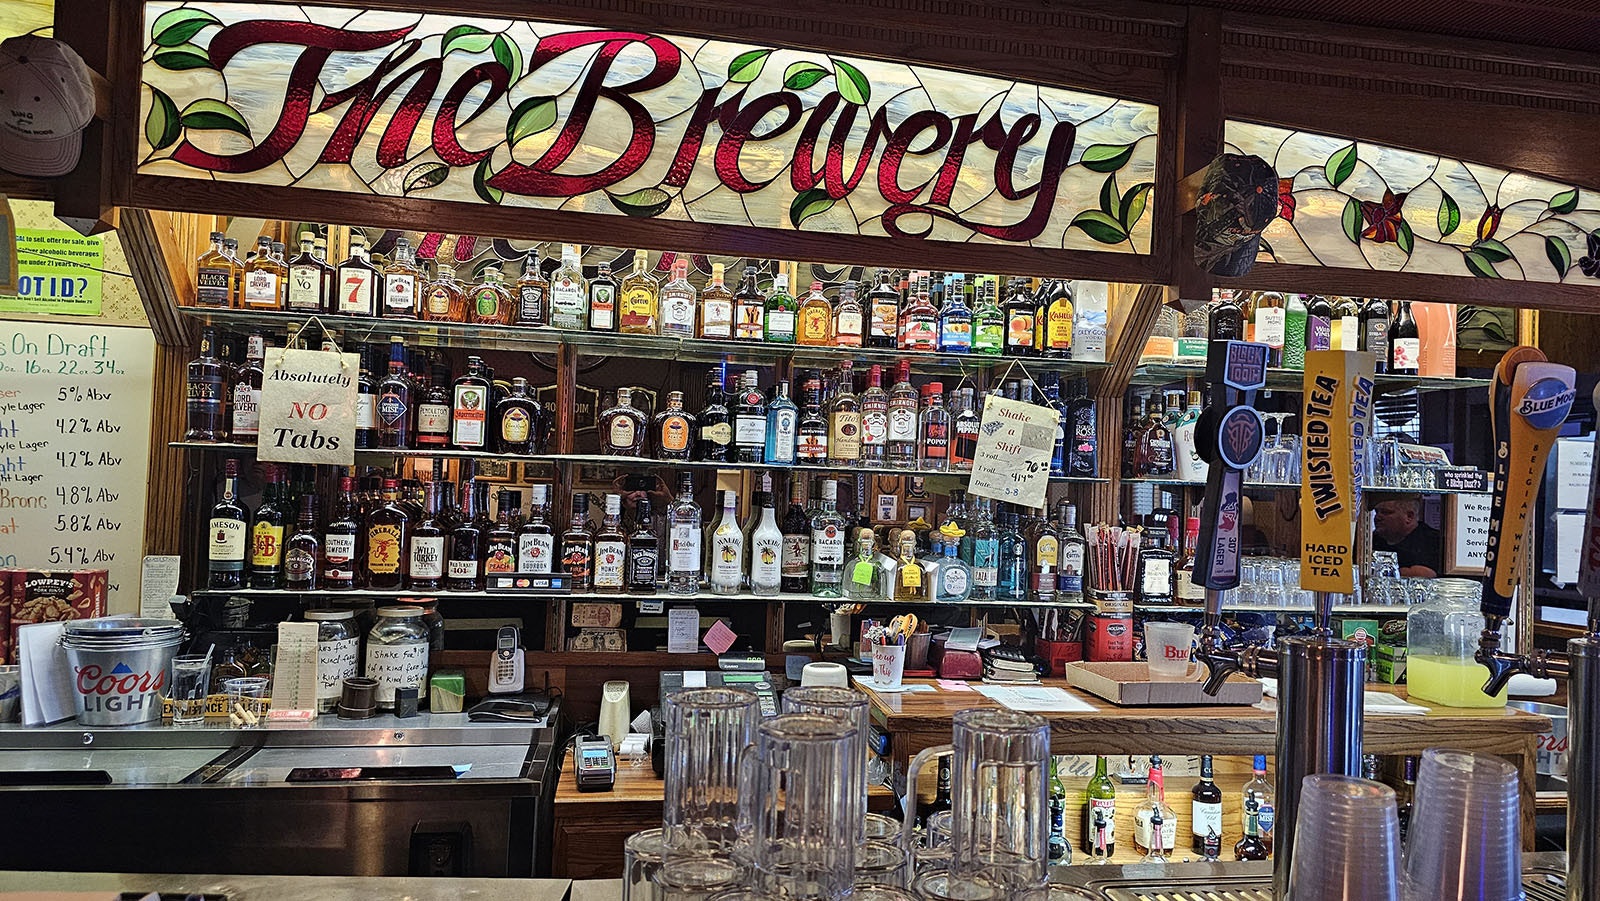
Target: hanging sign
(58,272)
(1015,442)
(610,121)
(308,407)
(1337,414)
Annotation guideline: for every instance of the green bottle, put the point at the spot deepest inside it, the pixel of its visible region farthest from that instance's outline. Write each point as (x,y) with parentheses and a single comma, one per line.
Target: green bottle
(988,325)
(1294,333)
(1100,814)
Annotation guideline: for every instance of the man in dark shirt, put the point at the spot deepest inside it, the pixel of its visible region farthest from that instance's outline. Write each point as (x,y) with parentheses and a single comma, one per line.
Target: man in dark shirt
(1397,527)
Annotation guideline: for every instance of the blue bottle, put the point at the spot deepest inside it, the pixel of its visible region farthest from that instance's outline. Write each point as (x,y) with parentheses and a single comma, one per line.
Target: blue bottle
(783,421)
(955,320)
(1013,577)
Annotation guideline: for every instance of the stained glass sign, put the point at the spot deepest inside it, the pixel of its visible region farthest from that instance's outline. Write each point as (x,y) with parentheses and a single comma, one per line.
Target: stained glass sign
(531,114)
(1358,205)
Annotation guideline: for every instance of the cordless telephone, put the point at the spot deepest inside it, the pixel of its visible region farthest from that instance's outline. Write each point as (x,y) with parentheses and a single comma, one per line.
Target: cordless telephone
(505,668)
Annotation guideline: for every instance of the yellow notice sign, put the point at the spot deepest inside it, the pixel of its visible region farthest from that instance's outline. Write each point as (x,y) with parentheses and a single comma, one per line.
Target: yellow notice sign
(1337,412)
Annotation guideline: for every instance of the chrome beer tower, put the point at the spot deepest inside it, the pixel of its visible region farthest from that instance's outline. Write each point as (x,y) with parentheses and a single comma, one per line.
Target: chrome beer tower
(1320,678)
(1528,401)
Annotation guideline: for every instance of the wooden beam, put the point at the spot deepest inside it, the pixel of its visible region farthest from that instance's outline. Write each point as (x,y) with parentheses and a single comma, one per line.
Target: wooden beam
(168,515)
(1418,286)
(159,256)
(1199,139)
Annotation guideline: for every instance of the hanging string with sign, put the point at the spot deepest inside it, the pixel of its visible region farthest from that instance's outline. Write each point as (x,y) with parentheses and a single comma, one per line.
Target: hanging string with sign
(308,402)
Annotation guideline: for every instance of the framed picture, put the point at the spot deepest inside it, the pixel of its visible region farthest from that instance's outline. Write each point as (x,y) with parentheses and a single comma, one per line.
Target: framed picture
(502,472)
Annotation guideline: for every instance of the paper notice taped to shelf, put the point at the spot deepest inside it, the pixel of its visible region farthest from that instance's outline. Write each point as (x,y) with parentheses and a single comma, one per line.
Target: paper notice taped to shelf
(683,630)
(308,407)
(1015,441)
(158,584)
(1035,698)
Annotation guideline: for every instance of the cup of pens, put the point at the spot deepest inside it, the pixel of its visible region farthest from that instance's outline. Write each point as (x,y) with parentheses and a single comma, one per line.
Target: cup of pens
(888,662)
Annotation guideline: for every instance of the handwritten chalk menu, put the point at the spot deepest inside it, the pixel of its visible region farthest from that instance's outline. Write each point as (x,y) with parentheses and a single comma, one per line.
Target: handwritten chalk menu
(1012,461)
(75,449)
(1467,532)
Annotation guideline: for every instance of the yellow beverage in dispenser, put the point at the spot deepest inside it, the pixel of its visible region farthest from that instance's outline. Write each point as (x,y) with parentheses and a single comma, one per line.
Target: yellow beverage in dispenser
(1451,681)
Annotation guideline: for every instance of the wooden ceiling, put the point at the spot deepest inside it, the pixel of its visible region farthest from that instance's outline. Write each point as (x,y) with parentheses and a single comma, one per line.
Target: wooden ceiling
(1566,24)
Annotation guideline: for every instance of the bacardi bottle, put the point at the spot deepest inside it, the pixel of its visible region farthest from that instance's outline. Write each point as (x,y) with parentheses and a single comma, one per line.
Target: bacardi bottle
(828,530)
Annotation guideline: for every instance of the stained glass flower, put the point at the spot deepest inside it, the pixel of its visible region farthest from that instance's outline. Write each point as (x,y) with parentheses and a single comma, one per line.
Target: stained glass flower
(1383,219)
(1590,263)
(1286,199)
(1490,223)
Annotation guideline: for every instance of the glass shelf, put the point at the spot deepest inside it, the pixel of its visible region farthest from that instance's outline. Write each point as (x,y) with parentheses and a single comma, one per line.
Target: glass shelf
(1155,374)
(1338,610)
(1295,486)
(538,339)
(701,597)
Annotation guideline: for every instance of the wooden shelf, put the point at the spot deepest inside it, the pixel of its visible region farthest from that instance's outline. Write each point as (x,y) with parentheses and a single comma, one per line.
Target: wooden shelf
(1295,486)
(700,597)
(1153,374)
(1338,610)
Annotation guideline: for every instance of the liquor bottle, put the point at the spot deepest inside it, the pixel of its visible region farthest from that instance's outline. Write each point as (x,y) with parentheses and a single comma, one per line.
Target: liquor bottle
(302,552)
(532,292)
(1043,583)
(402,283)
(1226,321)
(1375,331)
(433,410)
(883,313)
(749,309)
(683,539)
(811,435)
(1069,573)
(849,318)
(1251,847)
(569,293)
(941,795)
(641,298)
(1091,321)
(903,424)
(611,550)
(955,322)
(366,401)
(985,554)
(469,409)
(1319,323)
(388,529)
(230,251)
(1155,825)
(1296,323)
(716,307)
(577,545)
(205,390)
(644,551)
(844,422)
(229,527)
(750,421)
(1405,345)
(783,425)
(357,282)
(909,581)
(716,428)
(1100,814)
(874,420)
(394,400)
(536,541)
(246,396)
(988,322)
(1271,323)
(766,548)
(425,553)
(623,427)
(1059,851)
(863,583)
(517,414)
(955,577)
(673,429)
(1058,321)
(1020,311)
(726,551)
(795,559)
(1155,442)
(1405,796)
(934,428)
(1346,325)
(1261,792)
(1205,820)
(489,301)
(307,281)
(603,300)
(1083,459)
(464,567)
(1012,582)
(267,532)
(781,312)
(919,322)
(500,545)
(213,276)
(340,540)
(964,422)
(678,302)
(815,328)
(828,530)
(263,281)
(443,299)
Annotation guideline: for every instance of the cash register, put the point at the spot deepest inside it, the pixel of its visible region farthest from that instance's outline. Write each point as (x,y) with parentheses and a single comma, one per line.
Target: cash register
(734,671)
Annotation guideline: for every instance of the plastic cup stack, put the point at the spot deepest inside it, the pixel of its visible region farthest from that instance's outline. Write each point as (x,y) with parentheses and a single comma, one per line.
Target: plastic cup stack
(1347,841)
(1464,840)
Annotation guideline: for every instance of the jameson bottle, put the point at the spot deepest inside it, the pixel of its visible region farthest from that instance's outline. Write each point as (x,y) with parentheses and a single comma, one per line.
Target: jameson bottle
(230,522)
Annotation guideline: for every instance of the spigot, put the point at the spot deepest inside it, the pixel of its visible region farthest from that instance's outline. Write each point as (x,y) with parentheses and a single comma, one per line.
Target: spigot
(1502,666)
(1219,664)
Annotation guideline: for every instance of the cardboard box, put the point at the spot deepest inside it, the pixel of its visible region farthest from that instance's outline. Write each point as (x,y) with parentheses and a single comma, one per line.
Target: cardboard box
(1128,684)
(1367,632)
(51,595)
(1389,662)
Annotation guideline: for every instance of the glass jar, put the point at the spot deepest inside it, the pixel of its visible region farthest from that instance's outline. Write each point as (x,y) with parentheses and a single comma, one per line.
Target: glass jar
(397,653)
(338,653)
(432,619)
(1442,638)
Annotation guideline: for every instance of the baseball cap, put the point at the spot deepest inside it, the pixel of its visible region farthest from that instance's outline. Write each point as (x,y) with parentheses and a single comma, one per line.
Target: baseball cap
(46,100)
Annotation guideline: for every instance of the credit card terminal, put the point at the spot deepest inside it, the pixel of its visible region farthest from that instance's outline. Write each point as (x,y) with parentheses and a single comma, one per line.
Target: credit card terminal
(595,765)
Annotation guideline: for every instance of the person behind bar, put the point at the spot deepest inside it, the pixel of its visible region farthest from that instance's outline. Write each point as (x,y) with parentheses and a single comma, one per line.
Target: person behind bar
(1398,527)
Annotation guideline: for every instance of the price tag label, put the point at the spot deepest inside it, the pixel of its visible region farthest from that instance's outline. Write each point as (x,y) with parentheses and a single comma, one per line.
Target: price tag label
(1015,441)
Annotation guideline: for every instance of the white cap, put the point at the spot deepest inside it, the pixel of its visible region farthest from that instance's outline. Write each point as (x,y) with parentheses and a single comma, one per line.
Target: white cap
(46,100)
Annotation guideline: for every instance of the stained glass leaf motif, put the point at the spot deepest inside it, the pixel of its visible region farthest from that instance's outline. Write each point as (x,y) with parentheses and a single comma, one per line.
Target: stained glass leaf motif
(209,113)
(507,54)
(179,25)
(644,203)
(813,202)
(1106,157)
(853,86)
(425,175)
(1351,219)
(1565,202)
(1404,237)
(747,66)
(480,179)
(1558,253)
(162,127)
(1133,204)
(181,57)
(467,38)
(1479,265)
(800,76)
(1449,215)
(1493,250)
(1100,226)
(1340,165)
(529,118)
(1110,200)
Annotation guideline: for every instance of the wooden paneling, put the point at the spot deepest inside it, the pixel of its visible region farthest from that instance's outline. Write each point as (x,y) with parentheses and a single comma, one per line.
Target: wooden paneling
(168,518)
(1134,309)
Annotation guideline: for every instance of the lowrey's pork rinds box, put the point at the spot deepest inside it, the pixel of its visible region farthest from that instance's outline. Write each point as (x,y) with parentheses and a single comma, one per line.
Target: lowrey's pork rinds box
(50,595)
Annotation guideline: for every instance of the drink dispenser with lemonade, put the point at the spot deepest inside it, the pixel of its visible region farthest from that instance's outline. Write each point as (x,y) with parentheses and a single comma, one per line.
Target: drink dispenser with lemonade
(1442,635)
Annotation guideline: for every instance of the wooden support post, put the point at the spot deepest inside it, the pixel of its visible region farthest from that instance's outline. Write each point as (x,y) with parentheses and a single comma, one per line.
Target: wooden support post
(566,398)
(1200,126)
(1134,309)
(84,196)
